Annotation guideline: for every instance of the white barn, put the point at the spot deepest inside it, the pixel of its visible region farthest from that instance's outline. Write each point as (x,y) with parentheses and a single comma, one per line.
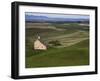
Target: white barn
(38,45)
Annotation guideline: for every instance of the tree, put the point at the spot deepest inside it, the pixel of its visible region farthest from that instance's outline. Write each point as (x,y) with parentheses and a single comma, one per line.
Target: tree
(55,43)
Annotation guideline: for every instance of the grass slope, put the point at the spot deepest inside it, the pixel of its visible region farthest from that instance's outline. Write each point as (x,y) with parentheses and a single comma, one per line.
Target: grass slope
(77,54)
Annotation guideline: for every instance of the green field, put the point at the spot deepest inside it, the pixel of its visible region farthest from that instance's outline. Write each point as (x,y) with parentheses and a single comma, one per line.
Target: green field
(72,51)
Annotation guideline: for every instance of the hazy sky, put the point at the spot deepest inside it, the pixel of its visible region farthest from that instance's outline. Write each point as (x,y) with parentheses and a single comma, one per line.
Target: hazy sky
(58,15)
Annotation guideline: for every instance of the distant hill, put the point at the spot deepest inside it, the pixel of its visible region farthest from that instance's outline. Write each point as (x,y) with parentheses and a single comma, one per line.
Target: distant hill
(33,18)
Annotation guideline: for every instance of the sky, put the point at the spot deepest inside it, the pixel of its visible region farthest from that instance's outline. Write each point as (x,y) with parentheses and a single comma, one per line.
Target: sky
(75,16)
